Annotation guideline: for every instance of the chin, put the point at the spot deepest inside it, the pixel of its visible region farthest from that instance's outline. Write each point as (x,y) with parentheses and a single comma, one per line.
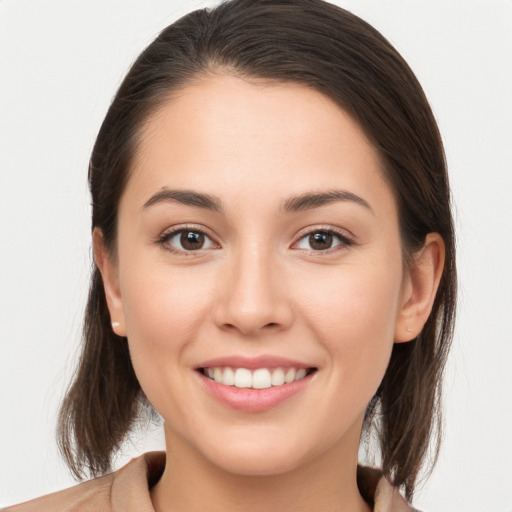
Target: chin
(254,458)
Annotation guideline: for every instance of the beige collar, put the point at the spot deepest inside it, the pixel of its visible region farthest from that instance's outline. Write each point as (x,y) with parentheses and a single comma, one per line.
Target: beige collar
(374,488)
(127,490)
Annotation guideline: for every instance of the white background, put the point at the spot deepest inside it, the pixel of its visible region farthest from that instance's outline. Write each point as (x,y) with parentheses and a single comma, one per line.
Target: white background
(60,64)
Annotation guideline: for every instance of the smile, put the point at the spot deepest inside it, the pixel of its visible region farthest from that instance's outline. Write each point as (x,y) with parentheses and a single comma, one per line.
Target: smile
(260,378)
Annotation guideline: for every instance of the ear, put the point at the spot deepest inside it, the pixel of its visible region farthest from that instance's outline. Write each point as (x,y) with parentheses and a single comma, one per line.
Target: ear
(109,274)
(420,288)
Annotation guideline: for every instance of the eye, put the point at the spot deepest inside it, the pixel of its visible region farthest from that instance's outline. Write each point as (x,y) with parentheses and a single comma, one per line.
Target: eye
(187,240)
(322,240)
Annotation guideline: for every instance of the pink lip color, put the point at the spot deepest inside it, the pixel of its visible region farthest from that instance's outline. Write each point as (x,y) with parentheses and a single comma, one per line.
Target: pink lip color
(253,400)
(252,363)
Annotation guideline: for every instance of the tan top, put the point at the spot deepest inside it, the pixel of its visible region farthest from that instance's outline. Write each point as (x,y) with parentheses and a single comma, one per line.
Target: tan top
(127,490)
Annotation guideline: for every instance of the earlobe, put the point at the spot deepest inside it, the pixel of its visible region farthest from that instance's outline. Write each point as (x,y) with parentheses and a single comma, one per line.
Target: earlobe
(109,274)
(420,288)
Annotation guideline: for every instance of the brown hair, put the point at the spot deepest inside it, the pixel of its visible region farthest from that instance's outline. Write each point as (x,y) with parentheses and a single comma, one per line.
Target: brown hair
(324,47)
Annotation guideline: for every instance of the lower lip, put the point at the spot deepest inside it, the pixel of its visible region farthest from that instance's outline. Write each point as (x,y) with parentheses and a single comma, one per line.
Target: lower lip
(254,400)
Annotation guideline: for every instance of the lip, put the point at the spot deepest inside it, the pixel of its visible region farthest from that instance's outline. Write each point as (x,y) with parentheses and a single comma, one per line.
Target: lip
(252,363)
(249,399)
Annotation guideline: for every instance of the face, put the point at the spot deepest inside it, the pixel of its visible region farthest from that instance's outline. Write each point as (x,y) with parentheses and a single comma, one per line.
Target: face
(258,246)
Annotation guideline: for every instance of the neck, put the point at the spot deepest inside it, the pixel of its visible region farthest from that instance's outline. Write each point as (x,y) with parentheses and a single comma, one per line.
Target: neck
(191,483)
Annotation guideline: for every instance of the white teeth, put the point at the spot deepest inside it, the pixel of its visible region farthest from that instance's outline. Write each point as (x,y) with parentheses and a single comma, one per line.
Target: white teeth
(300,374)
(277,377)
(243,378)
(290,376)
(217,374)
(262,378)
(228,377)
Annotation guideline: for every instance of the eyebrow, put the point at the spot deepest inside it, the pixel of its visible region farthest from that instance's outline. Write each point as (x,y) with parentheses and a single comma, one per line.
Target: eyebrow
(186,197)
(309,201)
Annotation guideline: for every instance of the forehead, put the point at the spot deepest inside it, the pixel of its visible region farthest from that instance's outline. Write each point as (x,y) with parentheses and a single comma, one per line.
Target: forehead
(229,135)
(230,108)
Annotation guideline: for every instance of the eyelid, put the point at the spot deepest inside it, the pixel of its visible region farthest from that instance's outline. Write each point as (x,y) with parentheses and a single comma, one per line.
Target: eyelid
(172,231)
(346,238)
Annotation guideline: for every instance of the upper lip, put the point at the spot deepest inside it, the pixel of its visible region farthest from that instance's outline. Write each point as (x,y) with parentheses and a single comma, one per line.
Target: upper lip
(252,363)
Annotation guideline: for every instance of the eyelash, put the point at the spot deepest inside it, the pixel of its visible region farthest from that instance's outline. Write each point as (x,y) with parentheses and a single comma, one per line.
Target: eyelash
(343,239)
(164,239)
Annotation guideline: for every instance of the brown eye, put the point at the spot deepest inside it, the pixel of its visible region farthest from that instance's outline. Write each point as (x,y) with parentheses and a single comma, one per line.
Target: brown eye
(320,241)
(192,240)
(187,240)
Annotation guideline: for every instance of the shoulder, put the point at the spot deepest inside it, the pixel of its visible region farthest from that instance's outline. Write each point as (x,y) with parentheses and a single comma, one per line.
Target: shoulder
(93,494)
(126,489)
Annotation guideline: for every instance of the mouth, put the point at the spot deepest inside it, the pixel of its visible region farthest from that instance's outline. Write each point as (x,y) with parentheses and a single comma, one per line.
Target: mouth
(258,378)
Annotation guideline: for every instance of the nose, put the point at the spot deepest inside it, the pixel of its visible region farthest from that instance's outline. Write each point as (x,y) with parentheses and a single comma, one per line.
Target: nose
(252,298)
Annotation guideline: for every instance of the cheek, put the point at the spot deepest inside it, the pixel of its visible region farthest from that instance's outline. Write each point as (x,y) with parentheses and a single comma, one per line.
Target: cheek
(353,313)
(163,305)
(164,312)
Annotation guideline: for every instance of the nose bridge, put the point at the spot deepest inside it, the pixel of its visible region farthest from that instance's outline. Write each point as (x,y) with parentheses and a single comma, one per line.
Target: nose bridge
(252,298)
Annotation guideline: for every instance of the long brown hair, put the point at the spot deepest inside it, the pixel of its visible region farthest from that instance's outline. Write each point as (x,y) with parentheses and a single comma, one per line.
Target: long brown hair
(326,48)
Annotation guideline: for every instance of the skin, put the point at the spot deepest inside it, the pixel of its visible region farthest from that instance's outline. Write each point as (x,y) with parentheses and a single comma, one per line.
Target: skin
(258,288)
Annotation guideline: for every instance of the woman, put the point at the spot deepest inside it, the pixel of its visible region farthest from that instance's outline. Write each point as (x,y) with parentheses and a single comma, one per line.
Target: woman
(274,274)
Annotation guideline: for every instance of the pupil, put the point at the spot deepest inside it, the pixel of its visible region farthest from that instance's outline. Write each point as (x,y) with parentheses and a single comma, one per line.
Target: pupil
(320,241)
(192,240)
